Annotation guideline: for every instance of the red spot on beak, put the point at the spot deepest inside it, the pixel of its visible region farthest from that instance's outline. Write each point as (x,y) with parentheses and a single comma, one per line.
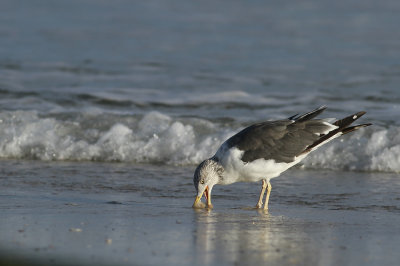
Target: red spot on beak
(206,193)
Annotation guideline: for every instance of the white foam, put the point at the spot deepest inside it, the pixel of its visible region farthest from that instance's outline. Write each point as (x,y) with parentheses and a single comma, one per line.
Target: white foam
(370,149)
(155,138)
(159,138)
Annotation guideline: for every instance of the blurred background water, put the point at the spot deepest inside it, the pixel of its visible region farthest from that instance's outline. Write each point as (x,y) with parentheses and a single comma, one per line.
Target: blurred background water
(167,81)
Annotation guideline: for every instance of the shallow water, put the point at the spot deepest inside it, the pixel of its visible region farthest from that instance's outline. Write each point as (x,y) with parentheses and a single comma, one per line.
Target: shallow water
(122,214)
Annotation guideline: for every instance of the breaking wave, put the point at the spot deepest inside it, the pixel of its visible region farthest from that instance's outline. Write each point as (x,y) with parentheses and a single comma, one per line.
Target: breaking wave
(372,149)
(152,138)
(158,138)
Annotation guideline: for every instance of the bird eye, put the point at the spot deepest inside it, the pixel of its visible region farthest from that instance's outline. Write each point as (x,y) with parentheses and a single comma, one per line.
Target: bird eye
(202,181)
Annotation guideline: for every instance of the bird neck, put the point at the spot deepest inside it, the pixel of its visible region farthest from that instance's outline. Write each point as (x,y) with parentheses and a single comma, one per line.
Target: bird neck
(217,168)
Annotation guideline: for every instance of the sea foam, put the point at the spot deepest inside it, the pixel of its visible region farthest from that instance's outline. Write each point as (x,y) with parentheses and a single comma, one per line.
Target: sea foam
(153,138)
(370,149)
(159,138)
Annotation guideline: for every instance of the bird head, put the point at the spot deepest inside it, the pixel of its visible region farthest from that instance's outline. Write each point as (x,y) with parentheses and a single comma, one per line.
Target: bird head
(206,175)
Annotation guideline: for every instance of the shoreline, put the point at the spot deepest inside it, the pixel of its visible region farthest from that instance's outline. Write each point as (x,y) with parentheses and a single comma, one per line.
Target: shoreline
(127,215)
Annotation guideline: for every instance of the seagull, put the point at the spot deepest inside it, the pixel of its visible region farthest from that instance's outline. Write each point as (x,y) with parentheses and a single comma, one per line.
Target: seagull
(264,150)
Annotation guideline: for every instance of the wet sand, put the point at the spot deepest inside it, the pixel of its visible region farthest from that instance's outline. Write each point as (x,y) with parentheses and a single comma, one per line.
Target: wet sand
(119,214)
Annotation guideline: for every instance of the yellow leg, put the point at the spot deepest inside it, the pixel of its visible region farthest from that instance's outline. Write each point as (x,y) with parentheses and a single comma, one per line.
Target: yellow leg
(264,186)
(269,187)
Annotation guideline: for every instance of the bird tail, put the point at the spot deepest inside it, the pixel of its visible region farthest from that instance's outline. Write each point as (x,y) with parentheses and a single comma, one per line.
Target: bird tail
(343,124)
(342,127)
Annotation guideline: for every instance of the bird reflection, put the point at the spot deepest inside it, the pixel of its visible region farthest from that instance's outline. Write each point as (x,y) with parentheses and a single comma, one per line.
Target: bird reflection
(237,237)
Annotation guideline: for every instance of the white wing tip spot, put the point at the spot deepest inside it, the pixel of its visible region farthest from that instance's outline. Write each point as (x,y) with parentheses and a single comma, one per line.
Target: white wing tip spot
(354,117)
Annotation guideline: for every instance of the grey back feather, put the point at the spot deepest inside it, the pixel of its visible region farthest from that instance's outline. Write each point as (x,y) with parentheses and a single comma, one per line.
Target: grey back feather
(281,140)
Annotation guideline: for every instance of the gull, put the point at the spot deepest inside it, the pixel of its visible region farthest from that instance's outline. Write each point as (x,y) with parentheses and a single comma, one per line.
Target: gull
(264,150)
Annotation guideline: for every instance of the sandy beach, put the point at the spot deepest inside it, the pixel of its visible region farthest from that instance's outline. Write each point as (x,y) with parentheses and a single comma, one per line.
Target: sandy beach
(118,214)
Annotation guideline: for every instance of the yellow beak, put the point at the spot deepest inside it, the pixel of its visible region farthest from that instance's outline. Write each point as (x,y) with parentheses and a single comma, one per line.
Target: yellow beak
(197,202)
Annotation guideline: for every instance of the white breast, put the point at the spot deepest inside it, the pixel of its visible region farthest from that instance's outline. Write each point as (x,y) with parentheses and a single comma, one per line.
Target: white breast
(238,171)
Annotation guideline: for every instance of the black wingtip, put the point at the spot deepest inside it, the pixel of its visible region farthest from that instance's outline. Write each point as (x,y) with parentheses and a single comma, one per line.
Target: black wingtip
(342,127)
(353,128)
(342,123)
(293,117)
(358,115)
(310,115)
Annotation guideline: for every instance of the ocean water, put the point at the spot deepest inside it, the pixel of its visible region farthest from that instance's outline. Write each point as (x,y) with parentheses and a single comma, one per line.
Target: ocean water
(167,82)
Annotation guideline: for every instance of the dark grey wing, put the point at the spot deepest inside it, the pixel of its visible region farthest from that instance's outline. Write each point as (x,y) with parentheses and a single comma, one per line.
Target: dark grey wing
(281,140)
